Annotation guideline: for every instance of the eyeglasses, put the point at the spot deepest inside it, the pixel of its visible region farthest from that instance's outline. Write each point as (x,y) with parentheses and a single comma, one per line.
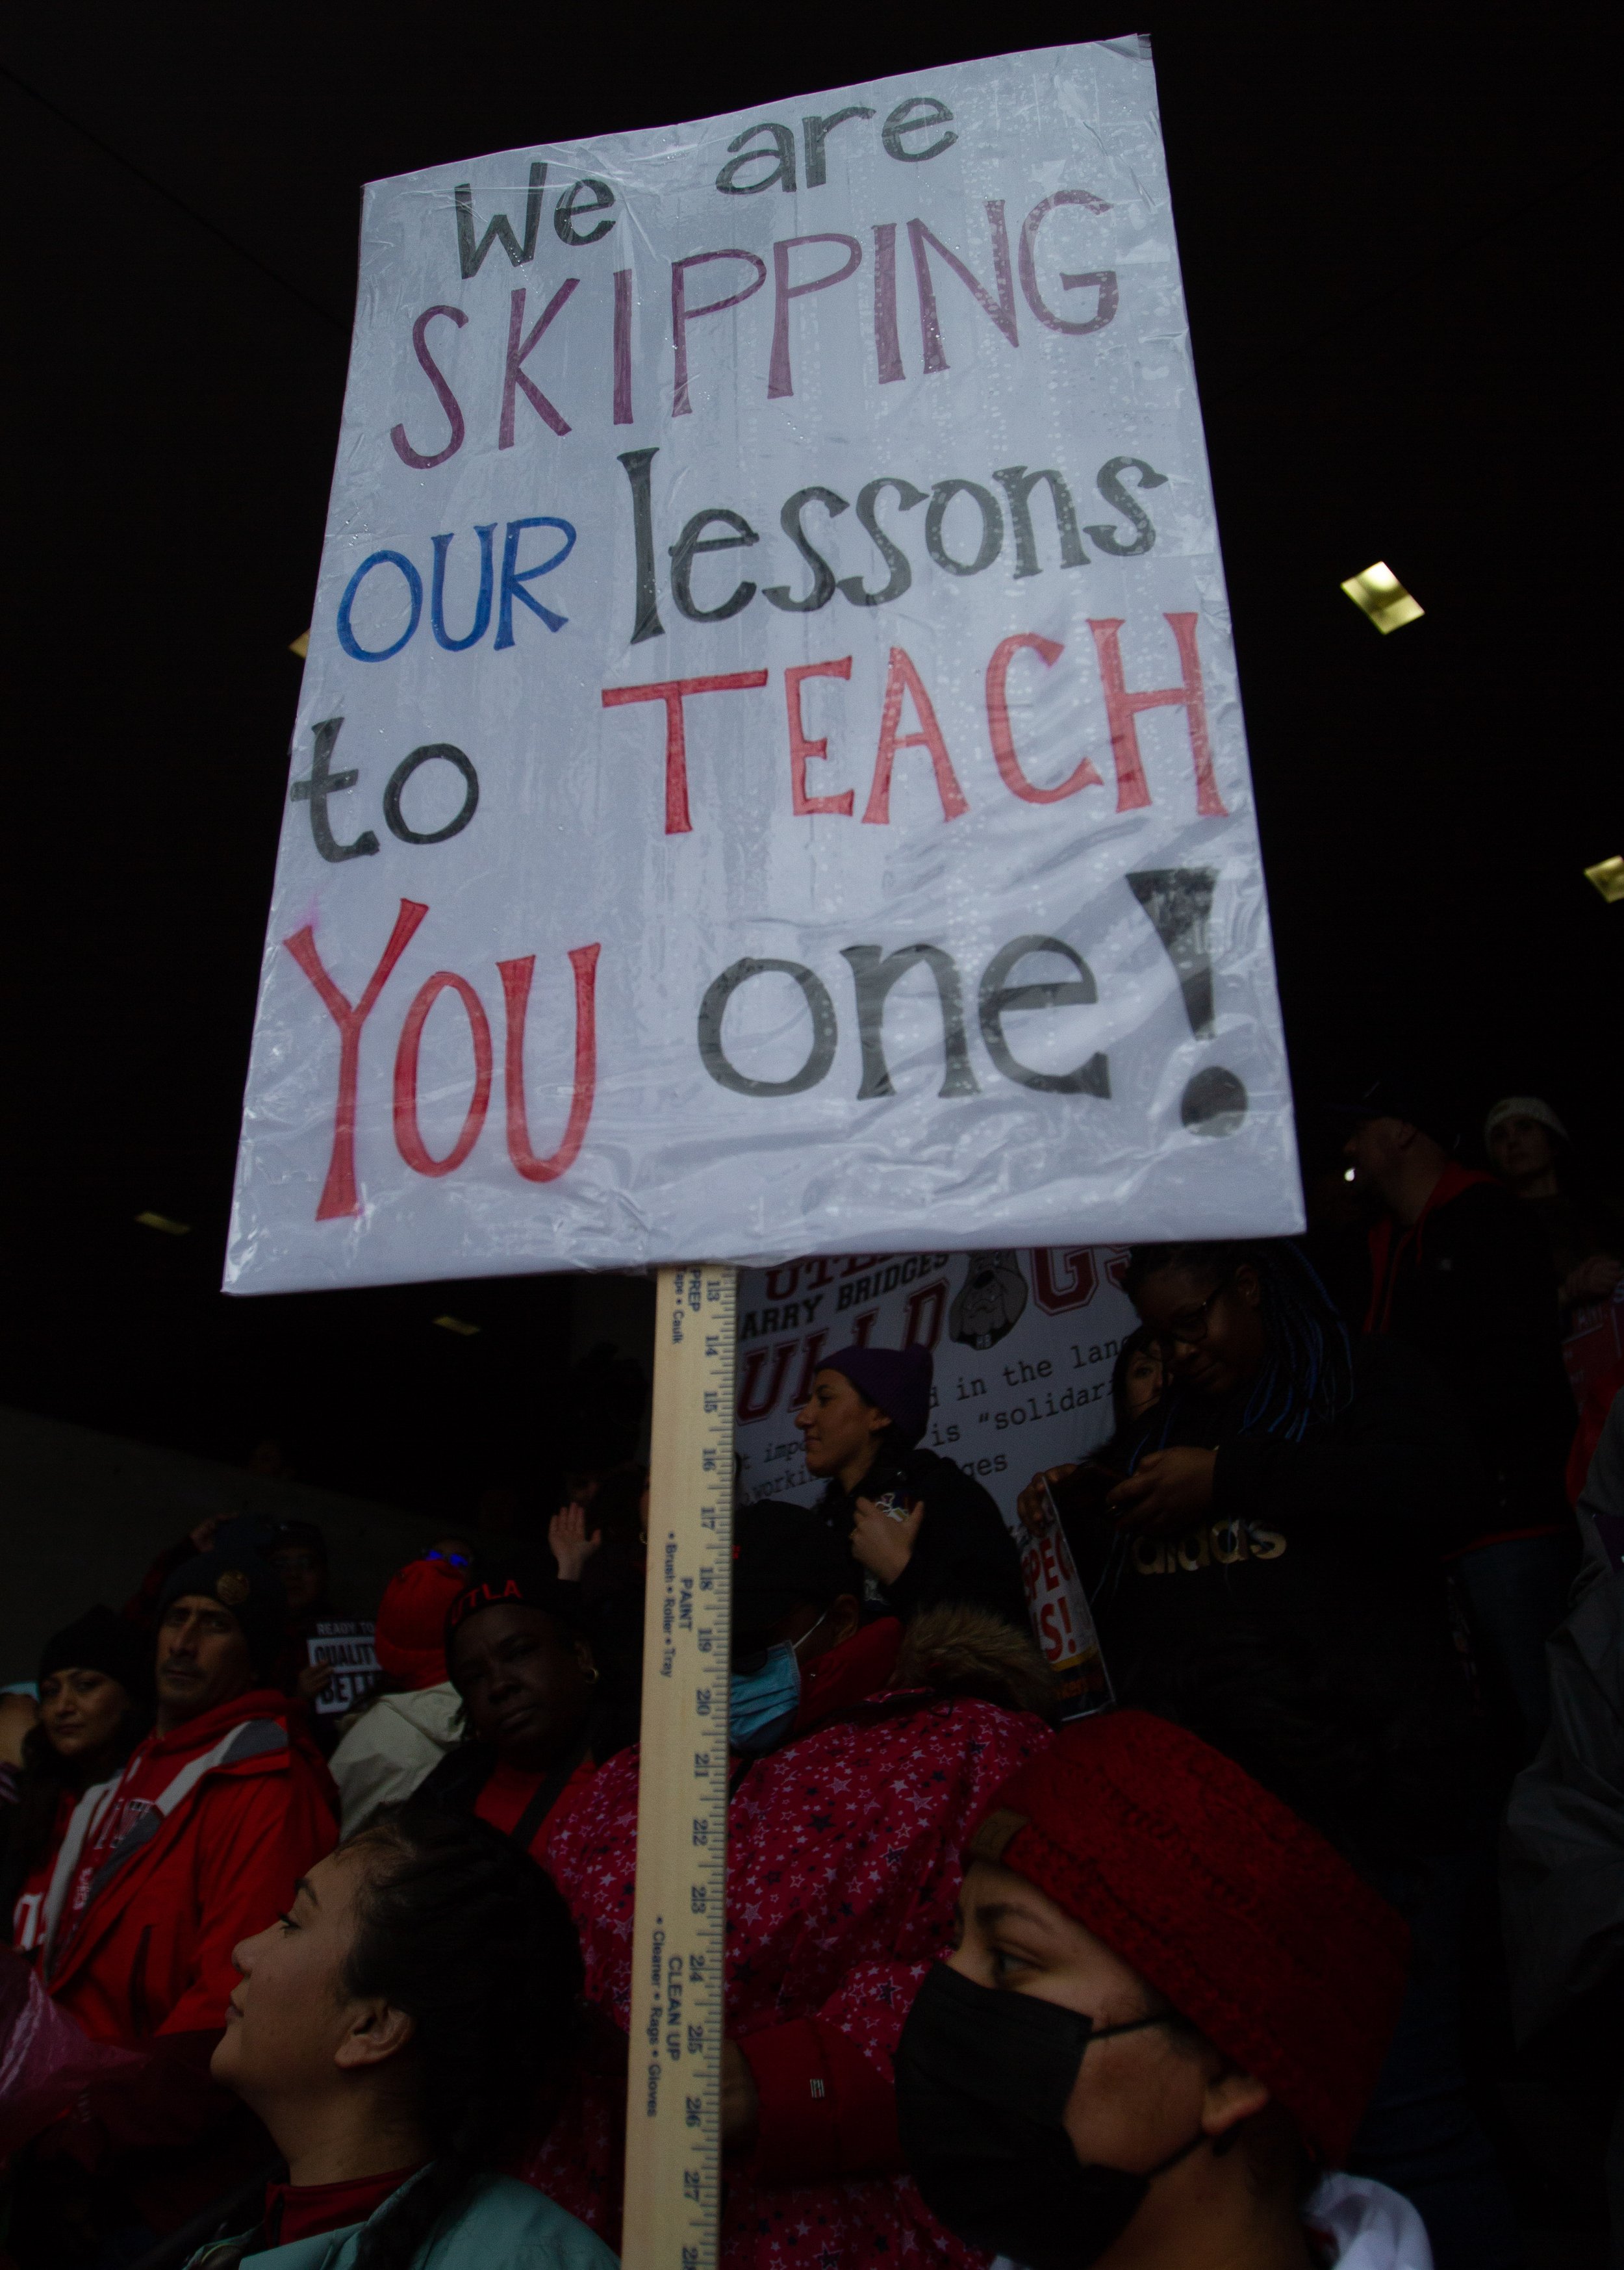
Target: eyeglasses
(1191,1326)
(452,1560)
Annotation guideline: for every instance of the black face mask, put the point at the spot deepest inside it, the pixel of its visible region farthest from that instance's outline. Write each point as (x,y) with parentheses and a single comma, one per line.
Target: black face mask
(983,2078)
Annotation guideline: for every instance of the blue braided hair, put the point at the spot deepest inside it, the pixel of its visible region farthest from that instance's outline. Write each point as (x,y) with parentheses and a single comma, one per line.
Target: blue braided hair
(1308,1377)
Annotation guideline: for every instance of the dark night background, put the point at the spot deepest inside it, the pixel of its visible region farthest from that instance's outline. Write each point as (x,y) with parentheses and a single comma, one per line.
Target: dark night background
(1398,286)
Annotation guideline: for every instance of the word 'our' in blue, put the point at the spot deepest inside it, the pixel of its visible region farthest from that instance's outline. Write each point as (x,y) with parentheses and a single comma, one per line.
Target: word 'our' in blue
(513,579)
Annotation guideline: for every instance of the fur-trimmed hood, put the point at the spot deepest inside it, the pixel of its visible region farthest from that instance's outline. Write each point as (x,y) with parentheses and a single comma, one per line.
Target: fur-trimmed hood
(966,1651)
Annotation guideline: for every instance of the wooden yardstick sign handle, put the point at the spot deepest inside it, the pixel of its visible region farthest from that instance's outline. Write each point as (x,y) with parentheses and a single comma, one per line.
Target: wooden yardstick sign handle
(673,2120)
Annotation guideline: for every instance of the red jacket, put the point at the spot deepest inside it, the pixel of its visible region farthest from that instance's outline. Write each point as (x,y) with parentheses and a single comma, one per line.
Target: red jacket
(843,1867)
(163,1898)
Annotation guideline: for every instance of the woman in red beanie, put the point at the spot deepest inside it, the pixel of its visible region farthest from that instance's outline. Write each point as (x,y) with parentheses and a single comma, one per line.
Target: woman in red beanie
(1168,2004)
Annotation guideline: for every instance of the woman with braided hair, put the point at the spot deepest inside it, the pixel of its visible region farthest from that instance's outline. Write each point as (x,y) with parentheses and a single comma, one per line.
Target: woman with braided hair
(401,2031)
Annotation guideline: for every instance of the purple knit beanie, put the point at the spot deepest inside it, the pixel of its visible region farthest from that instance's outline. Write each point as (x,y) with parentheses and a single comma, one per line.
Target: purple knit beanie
(897,1381)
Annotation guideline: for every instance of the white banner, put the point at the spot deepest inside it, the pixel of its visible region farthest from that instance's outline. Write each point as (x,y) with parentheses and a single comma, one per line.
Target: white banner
(769,775)
(1023,1343)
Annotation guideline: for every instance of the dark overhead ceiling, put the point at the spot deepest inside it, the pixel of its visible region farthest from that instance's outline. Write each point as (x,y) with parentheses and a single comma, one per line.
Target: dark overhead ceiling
(1398,288)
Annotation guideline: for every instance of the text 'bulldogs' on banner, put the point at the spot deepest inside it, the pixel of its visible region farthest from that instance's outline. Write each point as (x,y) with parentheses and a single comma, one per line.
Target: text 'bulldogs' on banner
(769,777)
(1023,1345)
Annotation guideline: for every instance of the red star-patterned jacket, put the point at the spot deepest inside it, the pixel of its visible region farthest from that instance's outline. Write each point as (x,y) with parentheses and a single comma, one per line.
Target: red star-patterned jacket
(843,1868)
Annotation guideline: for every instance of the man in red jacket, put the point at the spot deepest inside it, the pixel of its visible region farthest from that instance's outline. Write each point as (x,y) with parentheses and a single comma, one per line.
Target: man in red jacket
(862,1756)
(215,1814)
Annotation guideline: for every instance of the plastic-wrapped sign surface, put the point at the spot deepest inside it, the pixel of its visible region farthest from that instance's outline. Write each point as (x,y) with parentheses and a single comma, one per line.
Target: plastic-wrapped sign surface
(769,777)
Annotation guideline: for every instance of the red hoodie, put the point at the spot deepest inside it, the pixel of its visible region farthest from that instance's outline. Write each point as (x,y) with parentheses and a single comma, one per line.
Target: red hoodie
(843,1868)
(184,1865)
(198,1848)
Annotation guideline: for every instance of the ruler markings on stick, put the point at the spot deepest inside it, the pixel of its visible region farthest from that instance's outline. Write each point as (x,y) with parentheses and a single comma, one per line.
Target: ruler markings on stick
(673,2141)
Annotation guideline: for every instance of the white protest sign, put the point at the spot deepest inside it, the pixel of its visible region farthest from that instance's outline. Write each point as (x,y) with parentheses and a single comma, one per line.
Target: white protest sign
(769,775)
(1063,1622)
(1023,1345)
(347,1647)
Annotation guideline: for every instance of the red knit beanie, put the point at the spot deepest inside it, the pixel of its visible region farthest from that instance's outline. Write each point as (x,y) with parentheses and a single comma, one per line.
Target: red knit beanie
(1243,1916)
(410,1638)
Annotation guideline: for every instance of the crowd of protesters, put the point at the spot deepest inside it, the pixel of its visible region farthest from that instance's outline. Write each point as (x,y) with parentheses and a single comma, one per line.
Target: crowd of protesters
(1190,1983)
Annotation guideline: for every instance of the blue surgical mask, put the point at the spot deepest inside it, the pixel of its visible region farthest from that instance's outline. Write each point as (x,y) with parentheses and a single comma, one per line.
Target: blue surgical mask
(762,1703)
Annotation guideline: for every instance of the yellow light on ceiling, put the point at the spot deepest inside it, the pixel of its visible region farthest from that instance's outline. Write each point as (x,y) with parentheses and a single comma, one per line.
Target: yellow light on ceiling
(301,646)
(1378,593)
(162,1222)
(457,1325)
(1608,877)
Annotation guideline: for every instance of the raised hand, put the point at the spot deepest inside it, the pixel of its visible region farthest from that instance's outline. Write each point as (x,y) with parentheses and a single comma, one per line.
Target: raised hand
(572,1547)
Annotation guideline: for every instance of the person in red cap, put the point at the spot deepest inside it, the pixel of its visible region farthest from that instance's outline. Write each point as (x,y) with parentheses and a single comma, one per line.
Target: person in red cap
(403,1734)
(1167,2007)
(926,1532)
(519,1653)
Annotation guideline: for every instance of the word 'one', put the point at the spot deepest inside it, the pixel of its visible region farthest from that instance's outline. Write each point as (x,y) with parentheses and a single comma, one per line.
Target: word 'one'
(1176,901)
